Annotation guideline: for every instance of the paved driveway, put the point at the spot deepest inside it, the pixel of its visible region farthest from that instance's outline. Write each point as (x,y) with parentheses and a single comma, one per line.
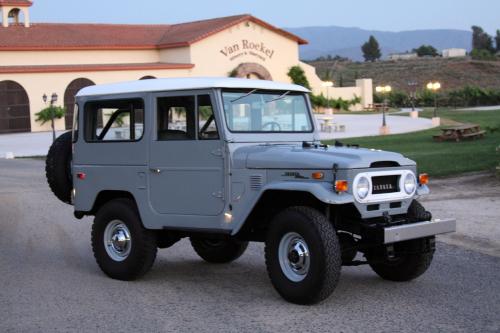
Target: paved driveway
(50,282)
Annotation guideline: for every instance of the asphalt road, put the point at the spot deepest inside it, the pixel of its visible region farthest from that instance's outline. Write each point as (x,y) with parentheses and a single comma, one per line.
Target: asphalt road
(49,282)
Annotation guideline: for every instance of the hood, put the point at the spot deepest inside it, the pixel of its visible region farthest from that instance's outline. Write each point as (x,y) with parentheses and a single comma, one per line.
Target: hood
(297,157)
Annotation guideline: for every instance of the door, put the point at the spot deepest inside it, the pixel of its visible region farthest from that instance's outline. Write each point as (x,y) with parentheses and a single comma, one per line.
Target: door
(186,157)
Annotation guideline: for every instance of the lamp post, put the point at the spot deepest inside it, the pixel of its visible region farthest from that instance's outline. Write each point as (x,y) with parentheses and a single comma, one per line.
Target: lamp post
(384,90)
(412,85)
(327,85)
(435,86)
(53,99)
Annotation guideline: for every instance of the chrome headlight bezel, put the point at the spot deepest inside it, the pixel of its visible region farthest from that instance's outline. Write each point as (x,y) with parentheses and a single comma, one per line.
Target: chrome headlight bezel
(410,183)
(362,188)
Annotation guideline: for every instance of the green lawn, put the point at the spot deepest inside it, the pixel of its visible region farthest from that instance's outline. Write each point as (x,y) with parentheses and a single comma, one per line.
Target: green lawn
(444,158)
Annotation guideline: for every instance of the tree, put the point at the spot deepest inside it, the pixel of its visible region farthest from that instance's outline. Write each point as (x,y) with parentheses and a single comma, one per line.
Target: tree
(497,40)
(298,76)
(481,40)
(426,50)
(49,114)
(371,50)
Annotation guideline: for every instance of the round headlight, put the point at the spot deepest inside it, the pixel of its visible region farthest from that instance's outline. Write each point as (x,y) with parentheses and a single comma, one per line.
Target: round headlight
(410,183)
(362,187)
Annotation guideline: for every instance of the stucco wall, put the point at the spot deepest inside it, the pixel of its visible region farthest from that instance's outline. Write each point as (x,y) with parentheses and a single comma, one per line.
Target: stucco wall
(19,58)
(246,42)
(38,84)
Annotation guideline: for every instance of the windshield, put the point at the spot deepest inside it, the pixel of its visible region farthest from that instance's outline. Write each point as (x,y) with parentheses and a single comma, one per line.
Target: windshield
(266,111)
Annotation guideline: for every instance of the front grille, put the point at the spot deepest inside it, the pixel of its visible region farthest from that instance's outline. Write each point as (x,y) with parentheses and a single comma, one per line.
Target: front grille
(385,184)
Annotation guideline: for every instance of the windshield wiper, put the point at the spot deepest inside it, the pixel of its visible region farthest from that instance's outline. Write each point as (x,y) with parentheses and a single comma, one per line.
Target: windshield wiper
(279,97)
(246,95)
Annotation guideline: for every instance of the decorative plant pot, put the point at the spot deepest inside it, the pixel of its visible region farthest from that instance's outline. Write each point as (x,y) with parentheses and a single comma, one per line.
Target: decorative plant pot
(414,114)
(436,121)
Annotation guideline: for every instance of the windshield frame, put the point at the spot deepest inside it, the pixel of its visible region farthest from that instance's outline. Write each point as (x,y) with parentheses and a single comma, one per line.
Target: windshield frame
(274,92)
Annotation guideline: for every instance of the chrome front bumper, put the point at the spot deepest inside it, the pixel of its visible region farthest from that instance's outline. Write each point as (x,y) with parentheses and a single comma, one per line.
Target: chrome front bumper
(418,230)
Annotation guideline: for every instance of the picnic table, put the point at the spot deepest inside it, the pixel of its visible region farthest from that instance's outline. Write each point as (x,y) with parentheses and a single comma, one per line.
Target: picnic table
(460,132)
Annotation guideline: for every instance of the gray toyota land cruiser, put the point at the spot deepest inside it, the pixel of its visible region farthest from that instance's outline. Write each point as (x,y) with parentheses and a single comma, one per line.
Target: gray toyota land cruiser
(228,161)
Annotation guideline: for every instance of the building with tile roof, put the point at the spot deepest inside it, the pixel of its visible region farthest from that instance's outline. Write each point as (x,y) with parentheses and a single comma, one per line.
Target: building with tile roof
(46,58)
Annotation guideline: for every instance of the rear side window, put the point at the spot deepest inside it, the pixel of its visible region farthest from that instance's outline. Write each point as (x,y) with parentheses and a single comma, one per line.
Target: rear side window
(114,120)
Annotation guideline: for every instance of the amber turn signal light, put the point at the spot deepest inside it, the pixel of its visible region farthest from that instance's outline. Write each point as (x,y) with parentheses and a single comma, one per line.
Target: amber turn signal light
(423,179)
(341,186)
(317,175)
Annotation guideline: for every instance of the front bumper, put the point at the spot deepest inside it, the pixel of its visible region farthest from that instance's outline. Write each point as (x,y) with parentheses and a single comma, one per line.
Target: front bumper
(418,230)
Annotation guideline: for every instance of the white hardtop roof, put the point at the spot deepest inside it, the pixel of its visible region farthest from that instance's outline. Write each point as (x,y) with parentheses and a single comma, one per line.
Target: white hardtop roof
(185,84)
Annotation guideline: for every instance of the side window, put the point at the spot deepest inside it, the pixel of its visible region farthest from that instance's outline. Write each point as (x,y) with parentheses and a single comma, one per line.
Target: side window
(74,134)
(176,118)
(114,120)
(206,119)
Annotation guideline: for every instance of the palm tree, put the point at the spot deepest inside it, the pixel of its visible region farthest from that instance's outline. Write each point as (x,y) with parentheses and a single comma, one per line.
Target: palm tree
(49,114)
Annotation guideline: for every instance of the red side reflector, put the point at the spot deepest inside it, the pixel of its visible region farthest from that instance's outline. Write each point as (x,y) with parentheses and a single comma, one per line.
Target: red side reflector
(81,175)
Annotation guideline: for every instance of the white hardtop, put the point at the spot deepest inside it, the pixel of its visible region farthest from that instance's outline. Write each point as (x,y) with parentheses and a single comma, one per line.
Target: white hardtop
(184,83)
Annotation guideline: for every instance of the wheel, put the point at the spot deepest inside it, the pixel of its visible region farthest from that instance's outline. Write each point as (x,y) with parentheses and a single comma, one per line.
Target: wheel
(303,255)
(123,248)
(417,212)
(218,251)
(273,125)
(411,260)
(58,167)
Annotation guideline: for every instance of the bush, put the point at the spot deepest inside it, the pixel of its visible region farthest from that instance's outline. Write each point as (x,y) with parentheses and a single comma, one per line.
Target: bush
(297,75)
(482,54)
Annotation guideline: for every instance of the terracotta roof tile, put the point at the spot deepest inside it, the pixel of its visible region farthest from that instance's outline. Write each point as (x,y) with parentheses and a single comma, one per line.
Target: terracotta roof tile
(49,36)
(21,3)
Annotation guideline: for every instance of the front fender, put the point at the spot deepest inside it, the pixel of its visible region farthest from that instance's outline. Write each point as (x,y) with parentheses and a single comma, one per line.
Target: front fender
(321,190)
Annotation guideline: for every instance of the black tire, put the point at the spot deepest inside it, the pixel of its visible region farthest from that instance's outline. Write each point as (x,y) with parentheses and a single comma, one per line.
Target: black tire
(58,167)
(417,212)
(409,263)
(218,251)
(322,276)
(143,242)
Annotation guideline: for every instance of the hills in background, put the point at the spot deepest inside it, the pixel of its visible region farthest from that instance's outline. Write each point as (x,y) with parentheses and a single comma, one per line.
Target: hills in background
(346,42)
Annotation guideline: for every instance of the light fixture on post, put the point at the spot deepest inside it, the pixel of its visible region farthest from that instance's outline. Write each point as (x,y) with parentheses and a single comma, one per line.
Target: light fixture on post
(384,90)
(327,85)
(434,87)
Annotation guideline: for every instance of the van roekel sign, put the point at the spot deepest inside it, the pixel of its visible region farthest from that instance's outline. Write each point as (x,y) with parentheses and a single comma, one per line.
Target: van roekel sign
(246,47)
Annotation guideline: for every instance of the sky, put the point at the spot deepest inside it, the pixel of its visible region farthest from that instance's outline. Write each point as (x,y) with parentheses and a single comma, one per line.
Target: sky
(387,15)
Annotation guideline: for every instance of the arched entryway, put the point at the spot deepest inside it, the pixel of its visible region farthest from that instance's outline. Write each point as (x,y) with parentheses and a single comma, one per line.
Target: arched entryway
(252,70)
(69,98)
(14,108)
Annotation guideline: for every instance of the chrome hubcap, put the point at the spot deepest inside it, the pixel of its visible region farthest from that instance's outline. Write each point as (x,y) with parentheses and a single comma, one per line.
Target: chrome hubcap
(294,256)
(117,240)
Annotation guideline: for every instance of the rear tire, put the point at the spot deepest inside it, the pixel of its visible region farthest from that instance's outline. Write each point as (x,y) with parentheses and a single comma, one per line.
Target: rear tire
(303,255)
(123,248)
(58,167)
(218,251)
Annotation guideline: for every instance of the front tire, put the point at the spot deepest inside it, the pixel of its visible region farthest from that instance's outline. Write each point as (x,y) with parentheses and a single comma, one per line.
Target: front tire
(218,251)
(123,248)
(411,260)
(303,255)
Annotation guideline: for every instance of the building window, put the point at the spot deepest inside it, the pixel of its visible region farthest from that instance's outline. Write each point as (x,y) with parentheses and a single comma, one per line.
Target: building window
(123,120)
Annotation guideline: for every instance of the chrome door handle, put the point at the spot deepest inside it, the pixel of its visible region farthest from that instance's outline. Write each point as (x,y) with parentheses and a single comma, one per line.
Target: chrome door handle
(155,170)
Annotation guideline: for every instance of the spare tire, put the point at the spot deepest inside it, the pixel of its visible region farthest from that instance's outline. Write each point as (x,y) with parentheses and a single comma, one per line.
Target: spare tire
(58,168)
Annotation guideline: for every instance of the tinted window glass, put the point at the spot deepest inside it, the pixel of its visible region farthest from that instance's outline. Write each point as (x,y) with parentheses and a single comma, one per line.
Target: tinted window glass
(206,119)
(115,120)
(176,118)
